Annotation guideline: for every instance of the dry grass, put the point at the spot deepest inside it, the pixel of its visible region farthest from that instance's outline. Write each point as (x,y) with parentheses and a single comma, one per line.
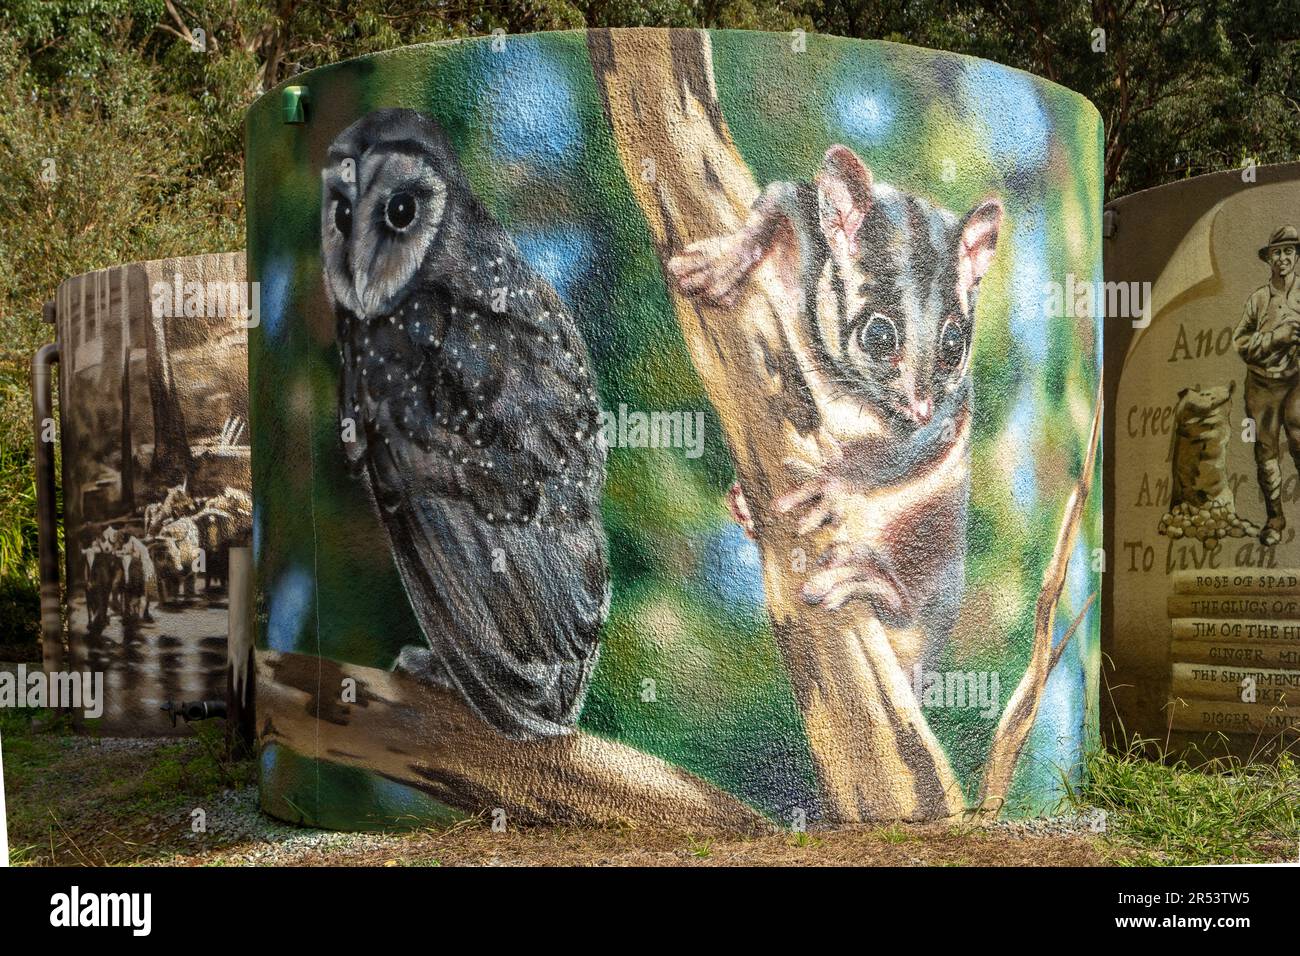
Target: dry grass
(926,845)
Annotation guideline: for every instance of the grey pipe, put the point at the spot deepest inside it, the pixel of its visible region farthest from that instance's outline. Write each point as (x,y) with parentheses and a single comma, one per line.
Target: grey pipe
(47,528)
(194,709)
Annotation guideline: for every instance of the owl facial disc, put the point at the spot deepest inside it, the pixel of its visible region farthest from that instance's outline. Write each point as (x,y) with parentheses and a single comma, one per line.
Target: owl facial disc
(382,207)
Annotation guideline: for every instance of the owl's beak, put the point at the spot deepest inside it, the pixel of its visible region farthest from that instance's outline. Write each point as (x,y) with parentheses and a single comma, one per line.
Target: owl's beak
(369,282)
(367,293)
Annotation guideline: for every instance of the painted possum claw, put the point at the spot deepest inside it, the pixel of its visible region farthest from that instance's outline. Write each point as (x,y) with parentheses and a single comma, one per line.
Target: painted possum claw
(740,512)
(846,575)
(813,505)
(818,497)
(712,270)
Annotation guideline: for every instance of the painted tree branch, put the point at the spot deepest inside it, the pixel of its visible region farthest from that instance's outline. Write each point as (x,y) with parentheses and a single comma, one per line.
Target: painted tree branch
(427,738)
(1021,710)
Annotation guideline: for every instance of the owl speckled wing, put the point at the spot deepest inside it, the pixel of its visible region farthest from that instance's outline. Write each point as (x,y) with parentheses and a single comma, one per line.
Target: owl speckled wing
(476,426)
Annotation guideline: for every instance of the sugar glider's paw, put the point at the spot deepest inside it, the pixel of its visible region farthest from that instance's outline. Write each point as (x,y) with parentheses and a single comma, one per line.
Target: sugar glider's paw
(812,505)
(847,573)
(822,492)
(740,512)
(713,270)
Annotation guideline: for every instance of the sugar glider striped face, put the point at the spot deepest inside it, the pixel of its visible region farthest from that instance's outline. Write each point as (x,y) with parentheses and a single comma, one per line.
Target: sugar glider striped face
(896,291)
(888,283)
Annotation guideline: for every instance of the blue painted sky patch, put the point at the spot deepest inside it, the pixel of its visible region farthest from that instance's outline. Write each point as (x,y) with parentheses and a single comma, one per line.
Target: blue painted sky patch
(273,293)
(259,530)
(1029,287)
(290,604)
(866,113)
(561,256)
(1008,107)
(1023,428)
(529,107)
(730,571)
(1079,582)
(1098,276)
(1055,744)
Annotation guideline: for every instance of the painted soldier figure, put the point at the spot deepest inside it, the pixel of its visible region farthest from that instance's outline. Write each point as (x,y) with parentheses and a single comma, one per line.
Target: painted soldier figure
(1268,339)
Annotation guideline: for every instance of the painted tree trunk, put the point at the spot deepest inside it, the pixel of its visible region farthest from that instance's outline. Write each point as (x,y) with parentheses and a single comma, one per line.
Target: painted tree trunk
(876,756)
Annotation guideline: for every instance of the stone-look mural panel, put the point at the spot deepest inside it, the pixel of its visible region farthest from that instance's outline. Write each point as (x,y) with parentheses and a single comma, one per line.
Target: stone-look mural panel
(153,401)
(1203,605)
(672,427)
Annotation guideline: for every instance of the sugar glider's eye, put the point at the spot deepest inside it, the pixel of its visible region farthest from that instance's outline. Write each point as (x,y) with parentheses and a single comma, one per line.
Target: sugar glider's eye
(343,216)
(952,347)
(879,338)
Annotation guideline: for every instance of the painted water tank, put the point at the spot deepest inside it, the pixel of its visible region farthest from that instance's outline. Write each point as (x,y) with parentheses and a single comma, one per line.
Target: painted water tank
(153,433)
(676,427)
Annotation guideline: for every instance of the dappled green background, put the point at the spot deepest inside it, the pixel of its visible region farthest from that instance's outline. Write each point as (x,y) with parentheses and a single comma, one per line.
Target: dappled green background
(688,611)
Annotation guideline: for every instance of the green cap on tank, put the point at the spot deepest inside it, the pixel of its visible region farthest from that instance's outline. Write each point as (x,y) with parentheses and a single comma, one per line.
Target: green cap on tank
(293,104)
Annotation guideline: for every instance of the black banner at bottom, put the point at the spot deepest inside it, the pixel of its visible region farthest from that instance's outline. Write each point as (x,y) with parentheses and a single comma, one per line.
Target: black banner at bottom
(366,905)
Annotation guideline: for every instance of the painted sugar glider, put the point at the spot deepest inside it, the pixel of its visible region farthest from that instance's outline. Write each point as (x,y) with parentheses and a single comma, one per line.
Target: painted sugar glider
(884,286)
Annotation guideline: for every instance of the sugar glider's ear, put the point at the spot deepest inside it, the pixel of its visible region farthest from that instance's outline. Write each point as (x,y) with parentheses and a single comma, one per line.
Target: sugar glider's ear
(1182,392)
(975,248)
(843,197)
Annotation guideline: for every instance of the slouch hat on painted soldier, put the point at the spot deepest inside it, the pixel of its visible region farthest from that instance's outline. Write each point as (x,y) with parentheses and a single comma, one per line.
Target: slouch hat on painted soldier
(1286,236)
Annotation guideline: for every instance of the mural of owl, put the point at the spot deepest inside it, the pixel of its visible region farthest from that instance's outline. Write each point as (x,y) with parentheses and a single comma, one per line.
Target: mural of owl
(469,409)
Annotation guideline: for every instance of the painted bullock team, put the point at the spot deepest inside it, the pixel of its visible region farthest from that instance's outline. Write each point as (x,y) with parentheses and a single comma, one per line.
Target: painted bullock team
(183,537)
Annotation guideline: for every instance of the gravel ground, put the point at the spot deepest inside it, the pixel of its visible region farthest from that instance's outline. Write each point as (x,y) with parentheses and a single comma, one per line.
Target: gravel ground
(114,745)
(248,837)
(1090,822)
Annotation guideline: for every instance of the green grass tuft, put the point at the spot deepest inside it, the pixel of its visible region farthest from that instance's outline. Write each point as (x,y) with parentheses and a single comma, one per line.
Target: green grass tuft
(1180,810)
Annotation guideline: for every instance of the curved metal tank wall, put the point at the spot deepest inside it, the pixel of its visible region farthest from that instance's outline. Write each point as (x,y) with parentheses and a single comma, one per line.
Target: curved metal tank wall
(579,499)
(1202,608)
(153,405)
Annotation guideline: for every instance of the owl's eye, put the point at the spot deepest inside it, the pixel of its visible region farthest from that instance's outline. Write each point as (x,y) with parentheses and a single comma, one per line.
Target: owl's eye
(343,217)
(879,338)
(952,347)
(400,211)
